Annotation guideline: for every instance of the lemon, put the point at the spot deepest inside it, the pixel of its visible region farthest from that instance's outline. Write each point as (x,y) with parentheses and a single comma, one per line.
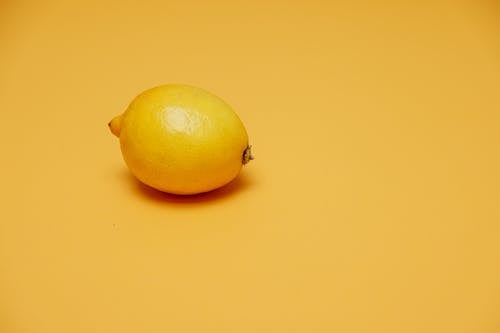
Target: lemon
(182,139)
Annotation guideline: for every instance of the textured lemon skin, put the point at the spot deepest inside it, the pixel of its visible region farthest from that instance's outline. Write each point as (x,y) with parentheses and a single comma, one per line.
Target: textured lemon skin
(181,139)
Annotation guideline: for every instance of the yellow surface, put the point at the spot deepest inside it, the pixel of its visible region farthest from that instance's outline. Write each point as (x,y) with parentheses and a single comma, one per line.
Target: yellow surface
(372,206)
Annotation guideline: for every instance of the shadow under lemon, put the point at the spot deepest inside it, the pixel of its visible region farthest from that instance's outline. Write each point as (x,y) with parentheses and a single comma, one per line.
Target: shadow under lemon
(238,185)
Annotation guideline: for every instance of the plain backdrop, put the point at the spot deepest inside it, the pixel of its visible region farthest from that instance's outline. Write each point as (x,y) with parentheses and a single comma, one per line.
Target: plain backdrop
(372,205)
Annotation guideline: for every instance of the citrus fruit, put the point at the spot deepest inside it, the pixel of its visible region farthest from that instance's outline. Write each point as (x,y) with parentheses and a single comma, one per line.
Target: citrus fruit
(182,139)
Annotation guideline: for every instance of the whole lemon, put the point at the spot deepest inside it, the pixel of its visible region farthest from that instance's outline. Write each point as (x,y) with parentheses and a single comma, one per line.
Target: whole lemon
(182,139)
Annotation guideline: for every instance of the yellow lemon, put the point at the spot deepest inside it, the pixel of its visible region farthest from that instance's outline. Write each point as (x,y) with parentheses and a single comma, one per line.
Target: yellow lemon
(182,139)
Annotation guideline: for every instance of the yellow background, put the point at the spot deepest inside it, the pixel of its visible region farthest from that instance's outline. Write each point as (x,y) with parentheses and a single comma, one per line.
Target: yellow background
(373,204)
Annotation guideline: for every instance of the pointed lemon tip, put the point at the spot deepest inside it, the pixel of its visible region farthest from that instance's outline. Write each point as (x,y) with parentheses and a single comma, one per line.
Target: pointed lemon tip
(115,125)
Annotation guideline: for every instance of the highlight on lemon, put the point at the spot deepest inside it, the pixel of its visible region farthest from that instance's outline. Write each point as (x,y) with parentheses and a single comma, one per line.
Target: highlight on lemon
(182,139)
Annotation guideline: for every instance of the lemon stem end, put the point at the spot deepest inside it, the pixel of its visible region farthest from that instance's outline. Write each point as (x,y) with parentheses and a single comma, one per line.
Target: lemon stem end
(247,155)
